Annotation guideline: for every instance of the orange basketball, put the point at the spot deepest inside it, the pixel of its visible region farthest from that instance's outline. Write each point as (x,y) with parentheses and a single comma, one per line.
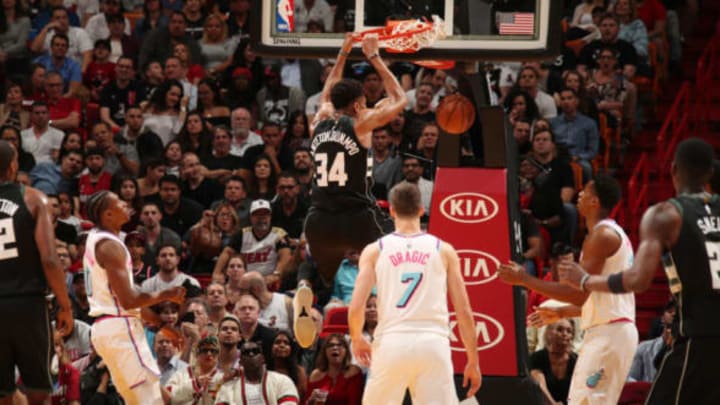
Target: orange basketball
(455,114)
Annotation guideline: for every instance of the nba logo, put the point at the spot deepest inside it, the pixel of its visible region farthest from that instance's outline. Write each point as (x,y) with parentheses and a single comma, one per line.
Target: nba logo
(285,16)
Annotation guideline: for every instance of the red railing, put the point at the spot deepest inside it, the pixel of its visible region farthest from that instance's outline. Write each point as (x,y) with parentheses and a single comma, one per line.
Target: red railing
(708,67)
(637,195)
(673,129)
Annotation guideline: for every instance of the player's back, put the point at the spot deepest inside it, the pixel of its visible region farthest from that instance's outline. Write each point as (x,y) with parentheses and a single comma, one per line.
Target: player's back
(603,308)
(693,265)
(411,281)
(343,170)
(22,272)
(100,296)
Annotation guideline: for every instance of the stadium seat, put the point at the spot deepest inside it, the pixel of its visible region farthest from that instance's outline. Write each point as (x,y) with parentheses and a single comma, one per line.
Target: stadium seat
(336,321)
(634,393)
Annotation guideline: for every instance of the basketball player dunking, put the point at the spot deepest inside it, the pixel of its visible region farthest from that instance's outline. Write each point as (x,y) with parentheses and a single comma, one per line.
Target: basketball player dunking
(413,272)
(343,214)
(682,234)
(610,337)
(118,335)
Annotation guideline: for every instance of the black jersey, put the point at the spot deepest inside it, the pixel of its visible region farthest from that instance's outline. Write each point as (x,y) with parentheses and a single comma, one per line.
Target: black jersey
(343,169)
(693,266)
(21,271)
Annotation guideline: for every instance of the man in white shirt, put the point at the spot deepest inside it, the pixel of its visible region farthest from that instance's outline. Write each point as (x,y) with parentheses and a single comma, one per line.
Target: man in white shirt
(41,140)
(97,26)
(315,10)
(242,136)
(528,80)
(169,275)
(175,70)
(412,171)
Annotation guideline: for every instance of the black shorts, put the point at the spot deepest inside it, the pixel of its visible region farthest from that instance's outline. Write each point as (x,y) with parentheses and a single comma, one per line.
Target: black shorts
(688,374)
(25,342)
(330,234)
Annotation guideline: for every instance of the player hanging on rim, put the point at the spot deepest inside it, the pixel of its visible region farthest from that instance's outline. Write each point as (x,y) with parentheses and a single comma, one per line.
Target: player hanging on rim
(118,335)
(414,272)
(343,214)
(683,235)
(610,335)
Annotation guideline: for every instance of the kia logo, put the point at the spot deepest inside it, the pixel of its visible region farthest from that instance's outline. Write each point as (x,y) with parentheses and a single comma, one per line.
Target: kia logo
(489,332)
(469,208)
(477,267)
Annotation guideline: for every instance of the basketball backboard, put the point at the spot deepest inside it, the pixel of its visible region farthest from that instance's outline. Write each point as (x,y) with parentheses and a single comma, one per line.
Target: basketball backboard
(475,29)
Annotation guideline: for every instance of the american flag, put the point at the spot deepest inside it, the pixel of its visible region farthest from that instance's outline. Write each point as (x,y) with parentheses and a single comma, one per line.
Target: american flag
(516,23)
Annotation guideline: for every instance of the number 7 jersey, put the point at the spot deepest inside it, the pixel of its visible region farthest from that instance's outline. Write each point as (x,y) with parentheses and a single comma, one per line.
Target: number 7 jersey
(343,168)
(411,281)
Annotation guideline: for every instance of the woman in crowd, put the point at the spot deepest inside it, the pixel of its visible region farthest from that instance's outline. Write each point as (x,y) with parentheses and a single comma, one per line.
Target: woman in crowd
(153,17)
(14,33)
(198,384)
(194,72)
(209,236)
(195,135)
(216,46)
(11,111)
(67,377)
(234,271)
(72,141)
(211,104)
(614,95)
(246,57)
(263,179)
(126,187)
(284,360)
(166,111)
(552,367)
(298,134)
(168,314)
(520,106)
(151,170)
(35,85)
(173,158)
(632,29)
(335,378)
(11,134)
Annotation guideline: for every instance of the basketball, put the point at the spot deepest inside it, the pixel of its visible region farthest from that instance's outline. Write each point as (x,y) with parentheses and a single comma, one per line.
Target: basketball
(455,114)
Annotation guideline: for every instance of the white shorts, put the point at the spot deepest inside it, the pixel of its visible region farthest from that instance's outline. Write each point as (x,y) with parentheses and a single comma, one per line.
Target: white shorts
(603,364)
(419,362)
(122,345)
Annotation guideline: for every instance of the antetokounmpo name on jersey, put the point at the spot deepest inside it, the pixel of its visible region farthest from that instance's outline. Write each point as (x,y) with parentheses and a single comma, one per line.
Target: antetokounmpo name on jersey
(338,137)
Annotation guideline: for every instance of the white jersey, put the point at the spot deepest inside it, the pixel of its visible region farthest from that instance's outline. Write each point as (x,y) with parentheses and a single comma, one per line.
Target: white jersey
(275,315)
(259,255)
(100,296)
(411,281)
(602,308)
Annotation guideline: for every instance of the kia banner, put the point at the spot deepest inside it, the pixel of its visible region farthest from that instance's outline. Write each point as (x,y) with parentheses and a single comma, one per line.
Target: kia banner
(470,210)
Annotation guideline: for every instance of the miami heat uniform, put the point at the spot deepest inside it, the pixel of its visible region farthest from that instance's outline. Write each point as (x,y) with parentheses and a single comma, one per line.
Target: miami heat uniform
(611,337)
(118,335)
(411,346)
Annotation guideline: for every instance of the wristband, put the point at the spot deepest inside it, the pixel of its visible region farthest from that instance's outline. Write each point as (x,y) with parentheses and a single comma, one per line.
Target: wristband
(615,283)
(583,281)
(375,55)
(344,53)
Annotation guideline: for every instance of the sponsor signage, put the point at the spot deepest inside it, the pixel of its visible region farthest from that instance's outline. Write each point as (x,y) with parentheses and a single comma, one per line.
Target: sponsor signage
(469,209)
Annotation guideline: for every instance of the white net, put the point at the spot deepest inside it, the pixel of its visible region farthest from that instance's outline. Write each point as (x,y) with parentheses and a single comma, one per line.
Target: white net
(419,34)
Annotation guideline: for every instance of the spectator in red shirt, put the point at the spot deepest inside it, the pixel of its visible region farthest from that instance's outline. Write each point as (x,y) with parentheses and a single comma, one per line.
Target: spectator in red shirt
(101,71)
(96,179)
(67,386)
(65,112)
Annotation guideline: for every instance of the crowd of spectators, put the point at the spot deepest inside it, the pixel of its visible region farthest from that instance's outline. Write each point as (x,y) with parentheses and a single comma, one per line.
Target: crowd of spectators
(166,103)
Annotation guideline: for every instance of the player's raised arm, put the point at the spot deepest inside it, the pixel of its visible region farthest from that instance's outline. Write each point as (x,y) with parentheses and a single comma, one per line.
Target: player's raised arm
(356,310)
(396,99)
(111,256)
(326,108)
(463,313)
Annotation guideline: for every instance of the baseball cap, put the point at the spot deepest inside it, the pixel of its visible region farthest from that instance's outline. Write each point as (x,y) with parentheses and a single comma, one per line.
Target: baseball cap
(242,71)
(258,205)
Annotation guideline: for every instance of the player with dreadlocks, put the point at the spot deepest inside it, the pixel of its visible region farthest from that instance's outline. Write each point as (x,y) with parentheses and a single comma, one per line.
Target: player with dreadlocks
(117,334)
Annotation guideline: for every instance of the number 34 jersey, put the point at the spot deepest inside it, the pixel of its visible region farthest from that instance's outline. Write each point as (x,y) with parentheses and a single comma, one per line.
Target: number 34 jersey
(411,281)
(343,168)
(693,265)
